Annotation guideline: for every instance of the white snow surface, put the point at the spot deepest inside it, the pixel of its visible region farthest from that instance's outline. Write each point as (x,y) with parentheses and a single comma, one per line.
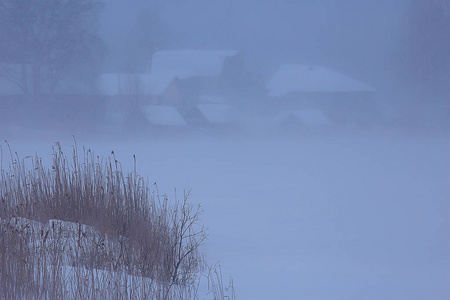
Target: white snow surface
(163,115)
(293,78)
(188,63)
(343,217)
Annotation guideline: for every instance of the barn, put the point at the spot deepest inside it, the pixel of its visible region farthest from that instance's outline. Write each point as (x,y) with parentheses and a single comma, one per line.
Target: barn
(201,72)
(298,87)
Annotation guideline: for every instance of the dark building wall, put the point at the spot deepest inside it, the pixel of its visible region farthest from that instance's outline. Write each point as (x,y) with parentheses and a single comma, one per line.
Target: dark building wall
(342,107)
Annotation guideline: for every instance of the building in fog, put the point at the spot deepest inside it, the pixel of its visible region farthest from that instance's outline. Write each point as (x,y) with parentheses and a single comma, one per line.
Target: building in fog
(202,72)
(197,84)
(300,87)
(158,89)
(179,78)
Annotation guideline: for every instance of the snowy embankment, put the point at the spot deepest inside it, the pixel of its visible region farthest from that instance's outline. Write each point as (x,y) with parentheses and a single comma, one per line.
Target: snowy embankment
(83,229)
(66,264)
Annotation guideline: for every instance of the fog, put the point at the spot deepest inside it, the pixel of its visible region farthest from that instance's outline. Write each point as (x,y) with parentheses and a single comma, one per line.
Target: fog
(354,36)
(314,134)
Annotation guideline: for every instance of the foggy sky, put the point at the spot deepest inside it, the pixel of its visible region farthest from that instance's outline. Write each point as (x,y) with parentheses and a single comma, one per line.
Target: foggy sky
(357,37)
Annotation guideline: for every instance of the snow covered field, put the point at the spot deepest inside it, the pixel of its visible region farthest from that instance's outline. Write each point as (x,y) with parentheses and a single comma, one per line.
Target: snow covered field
(340,217)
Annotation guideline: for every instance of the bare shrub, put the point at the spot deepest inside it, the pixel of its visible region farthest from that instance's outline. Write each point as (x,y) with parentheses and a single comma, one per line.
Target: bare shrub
(84,230)
(216,286)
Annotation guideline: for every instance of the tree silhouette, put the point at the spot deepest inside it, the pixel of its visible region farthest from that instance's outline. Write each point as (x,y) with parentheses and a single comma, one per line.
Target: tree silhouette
(42,41)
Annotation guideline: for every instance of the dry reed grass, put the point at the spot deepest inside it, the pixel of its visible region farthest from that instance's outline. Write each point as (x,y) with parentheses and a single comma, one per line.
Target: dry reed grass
(84,230)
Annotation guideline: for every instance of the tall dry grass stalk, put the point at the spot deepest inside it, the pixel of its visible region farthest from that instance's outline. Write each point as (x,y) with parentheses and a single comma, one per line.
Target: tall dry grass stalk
(82,229)
(216,287)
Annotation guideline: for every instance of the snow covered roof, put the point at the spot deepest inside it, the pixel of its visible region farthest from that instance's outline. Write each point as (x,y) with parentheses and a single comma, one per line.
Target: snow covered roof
(163,115)
(292,78)
(135,84)
(219,113)
(312,118)
(188,63)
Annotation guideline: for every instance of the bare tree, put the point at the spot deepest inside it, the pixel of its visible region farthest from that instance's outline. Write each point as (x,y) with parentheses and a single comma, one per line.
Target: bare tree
(149,34)
(45,40)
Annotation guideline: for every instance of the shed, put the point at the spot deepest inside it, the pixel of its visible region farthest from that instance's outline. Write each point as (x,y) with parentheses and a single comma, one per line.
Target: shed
(158,88)
(298,87)
(114,84)
(189,63)
(201,71)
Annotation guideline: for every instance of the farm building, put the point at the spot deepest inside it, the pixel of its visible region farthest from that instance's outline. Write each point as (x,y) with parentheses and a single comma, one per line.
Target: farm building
(301,83)
(201,72)
(298,87)
(178,78)
(161,88)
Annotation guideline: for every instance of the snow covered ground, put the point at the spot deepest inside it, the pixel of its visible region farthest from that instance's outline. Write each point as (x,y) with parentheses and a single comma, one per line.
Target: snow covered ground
(340,217)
